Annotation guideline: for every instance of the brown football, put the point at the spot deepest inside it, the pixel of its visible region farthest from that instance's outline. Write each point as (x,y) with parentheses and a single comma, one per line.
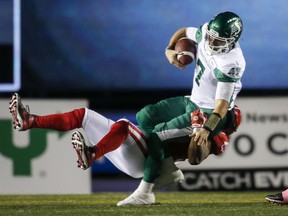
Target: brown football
(188,50)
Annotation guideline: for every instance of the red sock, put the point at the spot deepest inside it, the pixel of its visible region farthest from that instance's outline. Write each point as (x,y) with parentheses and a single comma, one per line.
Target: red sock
(115,137)
(285,196)
(61,122)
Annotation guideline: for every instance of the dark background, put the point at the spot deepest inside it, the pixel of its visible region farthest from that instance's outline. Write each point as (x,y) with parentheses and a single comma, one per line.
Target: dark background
(112,52)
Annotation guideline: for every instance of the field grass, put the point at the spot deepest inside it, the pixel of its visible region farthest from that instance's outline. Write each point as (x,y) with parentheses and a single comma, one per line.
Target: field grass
(169,203)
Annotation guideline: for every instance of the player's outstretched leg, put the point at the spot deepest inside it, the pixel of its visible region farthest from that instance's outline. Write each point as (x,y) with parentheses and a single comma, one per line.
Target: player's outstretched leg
(22,119)
(85,153)
(279,198)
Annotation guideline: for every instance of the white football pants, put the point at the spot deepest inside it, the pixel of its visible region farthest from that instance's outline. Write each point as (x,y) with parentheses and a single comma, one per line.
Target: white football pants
(129,157)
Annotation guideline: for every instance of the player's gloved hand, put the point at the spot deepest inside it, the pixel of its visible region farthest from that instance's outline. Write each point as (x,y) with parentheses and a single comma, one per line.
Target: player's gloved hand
(198,118)
(200,135)
(171,55)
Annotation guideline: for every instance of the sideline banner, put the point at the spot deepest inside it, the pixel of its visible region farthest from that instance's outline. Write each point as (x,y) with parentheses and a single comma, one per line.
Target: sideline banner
(40,161)
(257,157)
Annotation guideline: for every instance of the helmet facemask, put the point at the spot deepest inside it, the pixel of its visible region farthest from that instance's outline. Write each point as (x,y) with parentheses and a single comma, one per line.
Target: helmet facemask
(216,44)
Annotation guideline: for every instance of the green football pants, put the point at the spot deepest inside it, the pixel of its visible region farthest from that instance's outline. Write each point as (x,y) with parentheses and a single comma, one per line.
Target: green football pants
(163,121)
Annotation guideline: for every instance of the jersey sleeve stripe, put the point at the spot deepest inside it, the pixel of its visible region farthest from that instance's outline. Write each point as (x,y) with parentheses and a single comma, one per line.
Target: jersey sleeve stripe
(223,77)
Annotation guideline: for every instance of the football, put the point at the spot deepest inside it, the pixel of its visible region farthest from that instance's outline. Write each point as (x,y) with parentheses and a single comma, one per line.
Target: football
(188,50)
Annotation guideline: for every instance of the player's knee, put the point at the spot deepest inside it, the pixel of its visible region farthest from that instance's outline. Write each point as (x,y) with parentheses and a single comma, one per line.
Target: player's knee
(219,143)
(145,116)
(122,126)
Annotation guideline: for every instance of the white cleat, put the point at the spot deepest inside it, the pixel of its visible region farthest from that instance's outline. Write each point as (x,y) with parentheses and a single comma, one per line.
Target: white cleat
(84,152)
(138,199)
(22,119)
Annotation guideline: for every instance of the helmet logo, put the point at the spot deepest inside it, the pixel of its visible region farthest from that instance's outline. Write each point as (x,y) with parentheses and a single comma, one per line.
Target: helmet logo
(236,28)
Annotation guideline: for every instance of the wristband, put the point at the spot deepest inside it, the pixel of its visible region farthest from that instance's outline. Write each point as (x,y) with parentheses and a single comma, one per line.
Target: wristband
(212,122)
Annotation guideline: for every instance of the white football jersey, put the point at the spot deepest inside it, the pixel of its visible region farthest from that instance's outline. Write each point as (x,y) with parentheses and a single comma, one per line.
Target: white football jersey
(210,69)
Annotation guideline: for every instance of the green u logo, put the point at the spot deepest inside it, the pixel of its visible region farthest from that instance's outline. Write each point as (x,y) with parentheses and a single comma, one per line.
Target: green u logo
(21,157)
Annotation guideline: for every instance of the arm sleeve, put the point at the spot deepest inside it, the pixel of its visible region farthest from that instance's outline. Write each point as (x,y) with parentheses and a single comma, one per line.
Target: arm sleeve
(224,91)
(191,33)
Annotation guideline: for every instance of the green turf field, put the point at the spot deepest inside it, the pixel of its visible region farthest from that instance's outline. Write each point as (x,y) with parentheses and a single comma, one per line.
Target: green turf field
(174,204)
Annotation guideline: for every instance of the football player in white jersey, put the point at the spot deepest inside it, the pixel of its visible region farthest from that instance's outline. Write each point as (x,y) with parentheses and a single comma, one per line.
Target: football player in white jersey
(219,67)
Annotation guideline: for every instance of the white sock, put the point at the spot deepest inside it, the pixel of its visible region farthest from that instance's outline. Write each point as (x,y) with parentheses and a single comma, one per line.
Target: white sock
(145,187)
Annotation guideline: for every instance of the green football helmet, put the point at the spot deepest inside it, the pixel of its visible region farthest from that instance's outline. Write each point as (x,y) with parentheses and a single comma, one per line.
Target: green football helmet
(223,31)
